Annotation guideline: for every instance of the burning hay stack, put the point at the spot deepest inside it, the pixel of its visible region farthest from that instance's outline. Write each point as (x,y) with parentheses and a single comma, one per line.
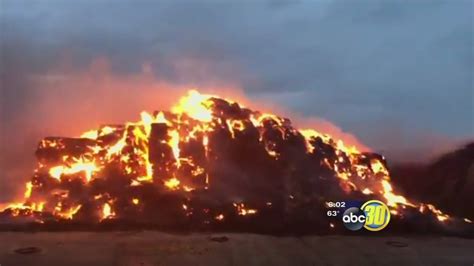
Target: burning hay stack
(208,162)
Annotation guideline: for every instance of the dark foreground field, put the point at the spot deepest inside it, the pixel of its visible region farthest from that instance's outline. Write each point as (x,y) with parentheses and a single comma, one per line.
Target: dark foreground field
(155,248)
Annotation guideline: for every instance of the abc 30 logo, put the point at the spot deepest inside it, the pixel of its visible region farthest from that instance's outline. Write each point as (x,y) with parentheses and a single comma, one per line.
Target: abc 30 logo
(373,215)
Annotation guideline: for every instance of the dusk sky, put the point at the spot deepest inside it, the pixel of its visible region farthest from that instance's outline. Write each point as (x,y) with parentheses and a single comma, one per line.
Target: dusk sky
(397,74)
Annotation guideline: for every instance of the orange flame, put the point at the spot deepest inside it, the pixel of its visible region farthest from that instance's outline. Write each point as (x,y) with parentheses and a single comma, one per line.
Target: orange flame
(130,145)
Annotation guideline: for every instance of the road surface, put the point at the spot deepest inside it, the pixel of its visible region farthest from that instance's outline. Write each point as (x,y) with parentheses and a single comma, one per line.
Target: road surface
(156,248)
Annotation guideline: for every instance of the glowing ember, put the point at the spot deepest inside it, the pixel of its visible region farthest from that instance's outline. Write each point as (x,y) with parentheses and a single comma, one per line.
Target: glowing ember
(392,199)
(107,211)
(439,214)
(29,187)
(196,106)
(241,210)
(68,213)
(220,217)
(79,165)
(92,134)
(172,183)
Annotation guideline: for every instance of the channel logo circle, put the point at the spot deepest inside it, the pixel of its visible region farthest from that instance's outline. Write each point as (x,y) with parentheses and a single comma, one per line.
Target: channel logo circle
(353,218)
(377,215)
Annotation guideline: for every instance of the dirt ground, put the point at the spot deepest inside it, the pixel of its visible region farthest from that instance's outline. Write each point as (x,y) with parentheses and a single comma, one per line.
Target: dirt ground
(156,248)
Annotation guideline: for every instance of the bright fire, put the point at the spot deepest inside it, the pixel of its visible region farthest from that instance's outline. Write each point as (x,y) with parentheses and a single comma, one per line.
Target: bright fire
(185,151)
